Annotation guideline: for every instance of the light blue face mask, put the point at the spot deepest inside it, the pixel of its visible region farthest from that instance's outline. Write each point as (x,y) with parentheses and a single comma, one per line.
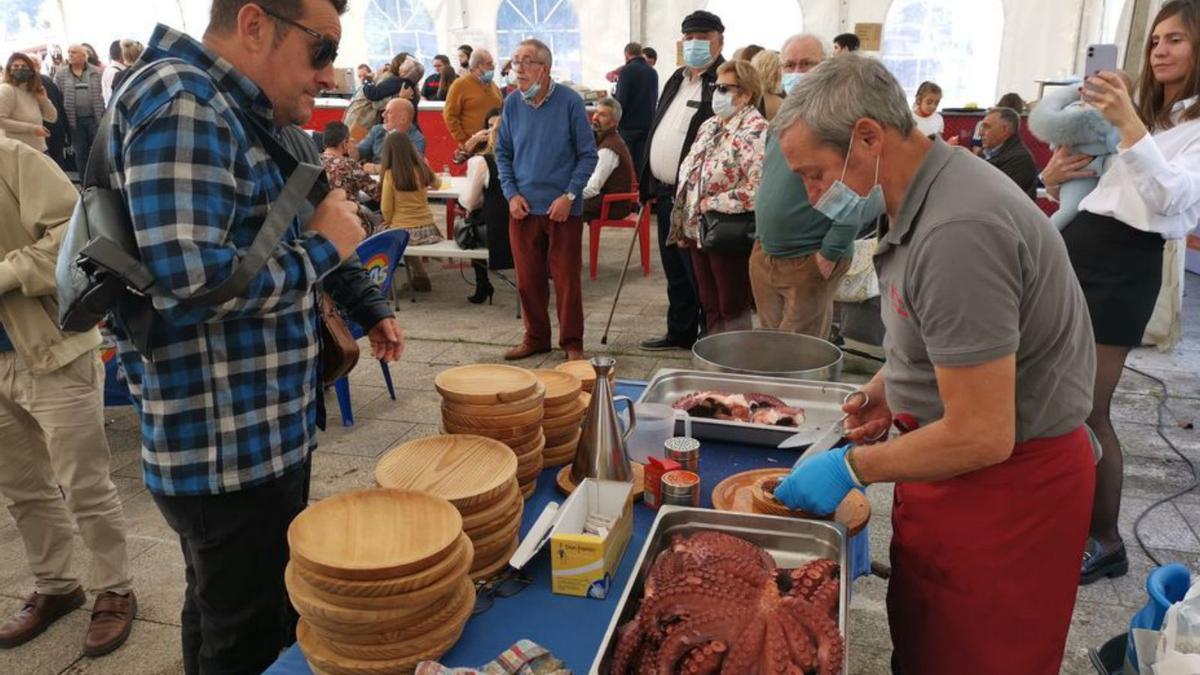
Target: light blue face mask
(723,105)
(487,76)
(843,205)
(791,80)
(697,53)
(532,92)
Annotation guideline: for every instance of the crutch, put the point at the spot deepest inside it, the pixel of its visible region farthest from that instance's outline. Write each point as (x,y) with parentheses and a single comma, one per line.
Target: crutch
(621,283)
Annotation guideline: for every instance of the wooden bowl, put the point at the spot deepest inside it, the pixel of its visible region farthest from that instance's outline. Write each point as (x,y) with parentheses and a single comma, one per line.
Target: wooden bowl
(531,416)
(374,534)
(736,493)
(463,553)
(462,469)
(485,383)
(432,622)
(561,387)
(495,409)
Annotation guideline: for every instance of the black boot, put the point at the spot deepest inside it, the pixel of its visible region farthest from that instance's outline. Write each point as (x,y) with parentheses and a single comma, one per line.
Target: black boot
(483,286)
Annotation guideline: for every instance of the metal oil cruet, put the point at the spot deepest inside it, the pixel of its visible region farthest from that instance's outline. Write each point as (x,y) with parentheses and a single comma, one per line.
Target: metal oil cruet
(601,451)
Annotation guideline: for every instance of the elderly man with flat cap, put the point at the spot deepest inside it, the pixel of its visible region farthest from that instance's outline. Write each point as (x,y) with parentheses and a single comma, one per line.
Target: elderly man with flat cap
(685,104)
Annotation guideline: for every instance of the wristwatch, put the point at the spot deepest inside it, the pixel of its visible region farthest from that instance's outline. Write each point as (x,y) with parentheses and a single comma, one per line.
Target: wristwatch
(570,196)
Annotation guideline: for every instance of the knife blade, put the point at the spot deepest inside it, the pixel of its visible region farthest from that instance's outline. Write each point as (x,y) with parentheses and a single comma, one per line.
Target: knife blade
(826,442)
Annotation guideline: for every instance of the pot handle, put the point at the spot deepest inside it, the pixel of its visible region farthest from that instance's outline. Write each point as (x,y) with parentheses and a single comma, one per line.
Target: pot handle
(632,416)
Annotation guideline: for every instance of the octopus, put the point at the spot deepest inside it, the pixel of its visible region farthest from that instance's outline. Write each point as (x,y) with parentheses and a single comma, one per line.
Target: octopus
(714,603)
(752,408)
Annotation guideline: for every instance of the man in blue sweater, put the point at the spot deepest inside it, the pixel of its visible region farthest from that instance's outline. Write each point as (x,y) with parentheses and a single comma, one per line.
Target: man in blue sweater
(545,153)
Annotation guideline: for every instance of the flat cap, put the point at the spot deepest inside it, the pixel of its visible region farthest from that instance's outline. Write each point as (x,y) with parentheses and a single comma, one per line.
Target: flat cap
(701,20)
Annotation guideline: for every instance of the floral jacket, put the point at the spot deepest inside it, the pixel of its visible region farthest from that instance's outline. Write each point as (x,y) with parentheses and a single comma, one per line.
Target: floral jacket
(729,156)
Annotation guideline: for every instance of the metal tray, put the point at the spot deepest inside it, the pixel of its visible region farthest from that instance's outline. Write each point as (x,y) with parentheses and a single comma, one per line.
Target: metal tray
(791,541)
(821,401)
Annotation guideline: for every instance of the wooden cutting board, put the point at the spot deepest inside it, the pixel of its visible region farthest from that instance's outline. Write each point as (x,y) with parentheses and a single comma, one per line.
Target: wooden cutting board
(432,622)
(461,555)
(443,628)
(561,387)
(484,383)
(736,493)
(321,654)
(374,534)
(531,416)
(493,409)
(465,470)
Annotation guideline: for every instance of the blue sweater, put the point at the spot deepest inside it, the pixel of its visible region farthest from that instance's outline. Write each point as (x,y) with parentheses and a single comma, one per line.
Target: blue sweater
(545,152)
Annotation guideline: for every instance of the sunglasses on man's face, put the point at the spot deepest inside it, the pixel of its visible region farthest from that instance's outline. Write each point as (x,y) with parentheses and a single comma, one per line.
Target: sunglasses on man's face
(326,49)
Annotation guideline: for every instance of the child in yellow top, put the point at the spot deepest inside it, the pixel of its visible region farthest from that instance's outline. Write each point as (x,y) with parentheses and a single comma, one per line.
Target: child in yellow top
(406,180)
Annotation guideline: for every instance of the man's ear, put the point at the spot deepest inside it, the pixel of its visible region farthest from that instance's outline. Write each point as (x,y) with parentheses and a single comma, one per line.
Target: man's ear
(256,29)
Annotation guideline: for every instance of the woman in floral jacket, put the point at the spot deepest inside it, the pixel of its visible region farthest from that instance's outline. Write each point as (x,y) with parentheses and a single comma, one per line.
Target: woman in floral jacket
(721,174)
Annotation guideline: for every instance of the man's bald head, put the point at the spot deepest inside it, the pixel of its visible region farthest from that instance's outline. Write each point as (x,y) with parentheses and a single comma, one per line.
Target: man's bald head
(398,115)
(801,53)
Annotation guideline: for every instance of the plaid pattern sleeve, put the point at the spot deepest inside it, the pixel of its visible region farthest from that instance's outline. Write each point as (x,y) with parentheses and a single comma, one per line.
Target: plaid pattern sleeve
(227,397)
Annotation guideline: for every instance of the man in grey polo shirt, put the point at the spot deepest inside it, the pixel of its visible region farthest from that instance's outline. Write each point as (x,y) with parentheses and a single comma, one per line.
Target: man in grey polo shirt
(988,349)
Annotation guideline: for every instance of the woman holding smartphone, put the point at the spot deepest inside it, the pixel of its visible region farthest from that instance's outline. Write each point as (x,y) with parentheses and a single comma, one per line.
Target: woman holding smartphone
(1150,193)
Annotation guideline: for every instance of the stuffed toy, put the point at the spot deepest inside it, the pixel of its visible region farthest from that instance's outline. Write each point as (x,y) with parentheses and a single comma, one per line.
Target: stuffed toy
(1061,118)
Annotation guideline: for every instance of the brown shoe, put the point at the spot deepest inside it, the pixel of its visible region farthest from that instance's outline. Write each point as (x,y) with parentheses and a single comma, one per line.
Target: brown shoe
(39,612)
(523,350)
(575,354)
(112,620)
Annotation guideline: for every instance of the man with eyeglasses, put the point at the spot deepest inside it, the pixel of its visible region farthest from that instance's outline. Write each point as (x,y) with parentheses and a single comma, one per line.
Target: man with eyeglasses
(800,256)
(685,104)
(230,395)
(545,154)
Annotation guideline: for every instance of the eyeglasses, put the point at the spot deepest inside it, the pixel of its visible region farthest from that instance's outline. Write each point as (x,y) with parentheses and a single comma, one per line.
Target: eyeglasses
(525,63)
(724,88)
(506,585)
(802,66)
(326,49)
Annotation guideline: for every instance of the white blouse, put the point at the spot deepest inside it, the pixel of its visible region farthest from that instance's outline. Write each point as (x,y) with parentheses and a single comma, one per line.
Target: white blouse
(1154,186)
(478,178)
(930,126)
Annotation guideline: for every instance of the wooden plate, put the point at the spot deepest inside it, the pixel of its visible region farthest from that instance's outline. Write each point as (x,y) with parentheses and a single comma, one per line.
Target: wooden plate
(575,408)
(490,510)
(463,551)
(568,445)
(561,387)
(736,493)
(513,513)
(555,462)
(493,409)
(531,416)
(531,472)
(420,597)
(489,542)
(562,438)
(582,370)
(434,620)
(329,617)
(536,444)
(374,534)
(321,654)
(563,479)
(443,628)
(527,490)
(526,463)
(463,469)
(498,565)
(520,434)
(563,427)
(483,383)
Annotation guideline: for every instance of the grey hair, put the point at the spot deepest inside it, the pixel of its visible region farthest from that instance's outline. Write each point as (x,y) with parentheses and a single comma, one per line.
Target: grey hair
(838,93)
(478,56)
(1011,117)
(612,104)
(543,51)
(805,36)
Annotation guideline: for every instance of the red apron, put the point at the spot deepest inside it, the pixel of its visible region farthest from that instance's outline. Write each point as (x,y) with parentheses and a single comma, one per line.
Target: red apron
(985,566)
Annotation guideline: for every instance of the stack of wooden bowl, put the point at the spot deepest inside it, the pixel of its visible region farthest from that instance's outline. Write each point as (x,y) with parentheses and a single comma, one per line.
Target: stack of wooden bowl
(380,579)
(478,476)
(500,402)
(585,372)
(564,413)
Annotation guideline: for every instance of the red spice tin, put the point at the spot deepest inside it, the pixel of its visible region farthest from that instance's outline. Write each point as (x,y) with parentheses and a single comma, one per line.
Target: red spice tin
(655,468)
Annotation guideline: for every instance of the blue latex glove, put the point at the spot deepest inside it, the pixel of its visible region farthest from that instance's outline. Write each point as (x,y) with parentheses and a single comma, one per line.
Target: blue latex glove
(819,484)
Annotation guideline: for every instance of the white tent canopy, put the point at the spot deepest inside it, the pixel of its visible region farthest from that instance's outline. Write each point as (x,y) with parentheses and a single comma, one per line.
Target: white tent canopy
(976,49)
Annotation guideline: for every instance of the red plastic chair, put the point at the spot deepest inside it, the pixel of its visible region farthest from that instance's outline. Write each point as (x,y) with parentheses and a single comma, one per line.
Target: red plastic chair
(640,221)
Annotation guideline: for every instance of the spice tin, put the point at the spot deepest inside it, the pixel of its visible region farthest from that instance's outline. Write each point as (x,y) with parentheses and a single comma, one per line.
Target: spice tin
(684,450)
(681,488)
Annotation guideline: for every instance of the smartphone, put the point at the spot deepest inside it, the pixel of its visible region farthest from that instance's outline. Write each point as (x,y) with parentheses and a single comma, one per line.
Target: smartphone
(1100,58)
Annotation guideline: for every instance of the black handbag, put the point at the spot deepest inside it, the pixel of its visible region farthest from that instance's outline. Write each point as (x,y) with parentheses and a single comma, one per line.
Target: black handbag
(473,232)
(724,232)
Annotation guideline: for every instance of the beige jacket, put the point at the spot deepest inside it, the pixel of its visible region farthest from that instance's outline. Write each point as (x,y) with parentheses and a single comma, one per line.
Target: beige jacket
(36,202)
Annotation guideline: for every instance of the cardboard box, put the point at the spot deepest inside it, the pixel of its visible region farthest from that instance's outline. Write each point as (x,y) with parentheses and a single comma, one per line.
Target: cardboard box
(584,564)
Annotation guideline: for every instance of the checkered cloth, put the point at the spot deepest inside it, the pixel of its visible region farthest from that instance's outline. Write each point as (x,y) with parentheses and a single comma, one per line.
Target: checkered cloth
(228,396)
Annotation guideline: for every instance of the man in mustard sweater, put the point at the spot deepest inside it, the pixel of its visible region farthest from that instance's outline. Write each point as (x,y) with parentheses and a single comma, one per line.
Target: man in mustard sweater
(471,97)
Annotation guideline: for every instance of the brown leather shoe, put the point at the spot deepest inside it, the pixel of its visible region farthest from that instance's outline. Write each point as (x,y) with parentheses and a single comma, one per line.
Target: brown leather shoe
(39,612)
(524,350)
(575,354)
(112,620)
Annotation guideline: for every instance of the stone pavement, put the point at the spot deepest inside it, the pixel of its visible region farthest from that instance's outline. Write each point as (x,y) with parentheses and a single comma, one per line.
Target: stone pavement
(443,330)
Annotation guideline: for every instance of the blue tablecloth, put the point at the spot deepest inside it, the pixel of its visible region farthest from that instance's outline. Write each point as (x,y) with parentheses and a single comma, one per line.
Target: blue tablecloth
(573,627)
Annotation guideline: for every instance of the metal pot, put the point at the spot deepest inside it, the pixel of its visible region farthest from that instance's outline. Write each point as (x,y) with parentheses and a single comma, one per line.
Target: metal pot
(769,352)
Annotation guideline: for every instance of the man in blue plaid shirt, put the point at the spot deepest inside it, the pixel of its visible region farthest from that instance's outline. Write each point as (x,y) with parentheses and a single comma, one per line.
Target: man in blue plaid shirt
(229,394)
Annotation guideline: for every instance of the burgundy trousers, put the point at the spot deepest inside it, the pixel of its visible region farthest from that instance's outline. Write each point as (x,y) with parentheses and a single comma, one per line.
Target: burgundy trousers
(543,249)
(723,281)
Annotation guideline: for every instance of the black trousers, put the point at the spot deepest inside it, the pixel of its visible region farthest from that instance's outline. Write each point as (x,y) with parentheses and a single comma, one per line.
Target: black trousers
(83,134)
(684,317)
(236,615)
(635,140)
